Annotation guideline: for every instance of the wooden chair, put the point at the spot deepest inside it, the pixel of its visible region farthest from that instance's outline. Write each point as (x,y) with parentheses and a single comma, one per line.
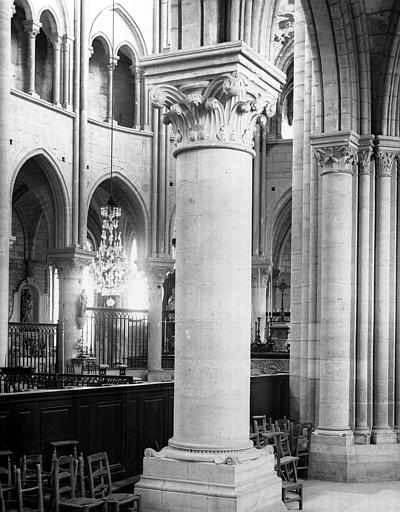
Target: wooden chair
(301,446)
(100,485)
(65,476)
(27,496)
(5,467)
(292,489)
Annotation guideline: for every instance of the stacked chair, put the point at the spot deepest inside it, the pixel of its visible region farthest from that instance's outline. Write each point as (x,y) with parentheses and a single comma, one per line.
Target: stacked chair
(291,444)
(70,485)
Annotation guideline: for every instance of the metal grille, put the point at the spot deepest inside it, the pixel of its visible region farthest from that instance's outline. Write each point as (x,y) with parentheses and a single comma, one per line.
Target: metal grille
(118,336)
(168,339)
(32,345)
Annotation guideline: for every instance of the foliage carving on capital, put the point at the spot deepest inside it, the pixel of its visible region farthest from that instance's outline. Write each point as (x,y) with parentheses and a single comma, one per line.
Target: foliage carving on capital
(226,109)
(69,263)
(384,163)
(364,161)
(32,28)
(336,159)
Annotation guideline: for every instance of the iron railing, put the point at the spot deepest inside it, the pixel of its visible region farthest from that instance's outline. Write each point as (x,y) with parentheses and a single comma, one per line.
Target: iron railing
(20,380)
(32,345)
(117,336)
(168,339)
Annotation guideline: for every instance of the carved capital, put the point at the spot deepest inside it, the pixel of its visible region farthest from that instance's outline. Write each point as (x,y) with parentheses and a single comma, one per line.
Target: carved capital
(13,8)
(364,161)
(156,270)
(32,28)
(261,272)
(336,159)
(384,160)
(224,109)
(70,263)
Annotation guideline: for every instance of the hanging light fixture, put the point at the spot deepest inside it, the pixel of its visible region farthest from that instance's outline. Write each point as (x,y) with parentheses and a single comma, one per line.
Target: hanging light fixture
(109,267)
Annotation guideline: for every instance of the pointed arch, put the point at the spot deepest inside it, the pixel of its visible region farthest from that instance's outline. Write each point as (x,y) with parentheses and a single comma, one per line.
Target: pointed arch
(126,195)
(59,191)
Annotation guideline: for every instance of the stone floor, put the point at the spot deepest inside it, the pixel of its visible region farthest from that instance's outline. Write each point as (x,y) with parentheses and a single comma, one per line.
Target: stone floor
(338,497)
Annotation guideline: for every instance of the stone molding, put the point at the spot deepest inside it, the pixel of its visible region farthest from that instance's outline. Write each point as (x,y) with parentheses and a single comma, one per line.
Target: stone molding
(69,262)
(225,109)
(336,159)
(228,457)
(13,8)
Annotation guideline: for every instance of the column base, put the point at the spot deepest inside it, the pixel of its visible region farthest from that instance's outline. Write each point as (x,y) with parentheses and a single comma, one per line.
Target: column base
(177,485)
(339,459)
(383,436)
(158,376)
(362,436)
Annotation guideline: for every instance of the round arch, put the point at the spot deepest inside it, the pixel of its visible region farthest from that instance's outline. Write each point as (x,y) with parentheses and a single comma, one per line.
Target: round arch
(28,9)
(53,18)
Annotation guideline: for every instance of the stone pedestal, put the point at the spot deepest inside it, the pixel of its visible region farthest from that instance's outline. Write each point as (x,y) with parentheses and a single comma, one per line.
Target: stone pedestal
(209,463)
(176,485)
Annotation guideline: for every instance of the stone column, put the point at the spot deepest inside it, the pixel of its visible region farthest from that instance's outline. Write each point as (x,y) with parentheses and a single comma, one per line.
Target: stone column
(5,203)
(209,462)
(385,159)
(110,84)
(362,430)
(32,29)
(138,94)
(155,270)
(70,264)
(56,43)
(66,47)
(336,156)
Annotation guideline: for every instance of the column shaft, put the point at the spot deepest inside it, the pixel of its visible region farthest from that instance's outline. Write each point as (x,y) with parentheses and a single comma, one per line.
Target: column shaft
(110,82)
(297,215)
(155,326)
(138,98)
(56,71)
(382,283)
(363,263)
(32,30)
(66,73)
(212,299)
(5,206)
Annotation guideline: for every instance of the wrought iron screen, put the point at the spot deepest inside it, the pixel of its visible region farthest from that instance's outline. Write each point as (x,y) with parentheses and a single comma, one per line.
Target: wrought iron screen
(32,345)
(117,336)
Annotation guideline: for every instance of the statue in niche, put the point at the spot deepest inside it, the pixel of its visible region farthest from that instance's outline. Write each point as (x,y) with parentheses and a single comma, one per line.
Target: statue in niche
(83,300)
(27,306)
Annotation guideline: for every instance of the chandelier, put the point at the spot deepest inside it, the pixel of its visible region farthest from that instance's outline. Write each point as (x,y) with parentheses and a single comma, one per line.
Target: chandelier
(109,267)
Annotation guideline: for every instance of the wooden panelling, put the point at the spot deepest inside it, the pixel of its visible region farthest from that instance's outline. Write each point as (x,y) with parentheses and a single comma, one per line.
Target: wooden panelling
(122,420)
